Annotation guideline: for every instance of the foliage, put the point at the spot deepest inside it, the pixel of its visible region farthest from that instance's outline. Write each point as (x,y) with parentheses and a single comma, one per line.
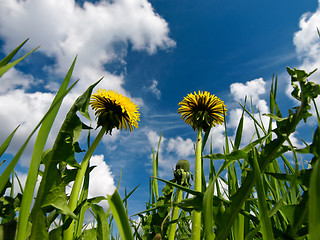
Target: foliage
(265,194)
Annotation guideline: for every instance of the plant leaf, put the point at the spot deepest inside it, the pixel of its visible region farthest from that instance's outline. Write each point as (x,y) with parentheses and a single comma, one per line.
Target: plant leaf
(120,216)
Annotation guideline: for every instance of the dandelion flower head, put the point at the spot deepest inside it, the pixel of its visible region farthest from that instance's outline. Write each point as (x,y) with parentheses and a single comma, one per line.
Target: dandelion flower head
(202,110)
(114,110)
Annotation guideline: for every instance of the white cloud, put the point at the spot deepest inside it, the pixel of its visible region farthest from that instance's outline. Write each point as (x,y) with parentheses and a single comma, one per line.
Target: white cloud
(153,89)
(98,33)
(26,110)
(255,90)
(252,89)
(153,138)
(101,179)
(14,79)
(182,148)
(307,40)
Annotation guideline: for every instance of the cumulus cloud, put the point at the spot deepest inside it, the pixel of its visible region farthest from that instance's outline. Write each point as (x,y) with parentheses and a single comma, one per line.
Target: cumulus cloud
(153,138)
(99,33)
(181,147)
(101,179)
(306,40)
(253,90)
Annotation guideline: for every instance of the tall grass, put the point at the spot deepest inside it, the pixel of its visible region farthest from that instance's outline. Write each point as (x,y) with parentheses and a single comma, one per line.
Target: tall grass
(258,192)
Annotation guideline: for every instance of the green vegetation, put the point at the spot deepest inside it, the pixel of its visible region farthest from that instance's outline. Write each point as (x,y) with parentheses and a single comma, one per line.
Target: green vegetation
(267,197)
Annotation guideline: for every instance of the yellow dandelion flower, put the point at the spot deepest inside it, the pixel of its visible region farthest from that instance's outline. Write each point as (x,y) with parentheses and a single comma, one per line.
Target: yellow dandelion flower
(202,110)
(114,110)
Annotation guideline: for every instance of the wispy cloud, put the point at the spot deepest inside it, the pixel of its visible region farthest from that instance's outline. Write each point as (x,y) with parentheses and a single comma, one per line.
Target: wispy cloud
(153,89)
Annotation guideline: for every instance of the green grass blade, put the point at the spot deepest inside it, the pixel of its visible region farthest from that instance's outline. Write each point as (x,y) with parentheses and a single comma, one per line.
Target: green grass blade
(6,142)
(4,177)
(208,212)
(155,170)
(266,226)
(185,189)
(237,140)
(102,222)
(7,59)
(254,119)
(314,199)
(36,156)
(5,68)
(205,139)
(120,216)
(83,197)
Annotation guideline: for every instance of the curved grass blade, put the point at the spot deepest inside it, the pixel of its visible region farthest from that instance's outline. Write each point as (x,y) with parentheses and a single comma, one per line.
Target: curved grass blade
(5,65)
(6,142)
(37,153)
(102,221)
(266,226)
(208,212)
(314,199)
(7,58)
(5,175)
(120,216)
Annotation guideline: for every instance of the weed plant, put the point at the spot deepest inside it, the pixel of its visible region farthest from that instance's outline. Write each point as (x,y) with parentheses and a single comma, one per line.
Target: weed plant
(267,197)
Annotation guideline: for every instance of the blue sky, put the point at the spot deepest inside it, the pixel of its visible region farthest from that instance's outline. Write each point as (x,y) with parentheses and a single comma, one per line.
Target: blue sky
(155,52)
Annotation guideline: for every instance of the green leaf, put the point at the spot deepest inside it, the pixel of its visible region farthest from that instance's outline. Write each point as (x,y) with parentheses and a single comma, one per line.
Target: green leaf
(102,222)
(188,190)
(89,234)
(303,177)
(6,142)
(237,201)
(5,175)
(120,216)
(7,59)
(55,234)
(208,211)
(266,226)
(34,167)
(5,65)
(190,204)
(239,133)
(314,199)
(51,192)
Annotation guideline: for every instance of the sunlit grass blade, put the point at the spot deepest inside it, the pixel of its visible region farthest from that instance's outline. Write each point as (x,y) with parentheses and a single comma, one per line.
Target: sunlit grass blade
(36,156)
(155,161)
(81,105)
(83,197)
(175,215)
(7,58)
(120,216)
(208,212)
(254,119)
(6,142)
(102,222)
(5,65)
(266,226)
(5,175)
(238,136)
(314,199)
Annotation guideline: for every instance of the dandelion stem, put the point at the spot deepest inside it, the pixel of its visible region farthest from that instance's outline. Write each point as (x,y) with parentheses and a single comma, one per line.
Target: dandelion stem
(68,233)
(196,217)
